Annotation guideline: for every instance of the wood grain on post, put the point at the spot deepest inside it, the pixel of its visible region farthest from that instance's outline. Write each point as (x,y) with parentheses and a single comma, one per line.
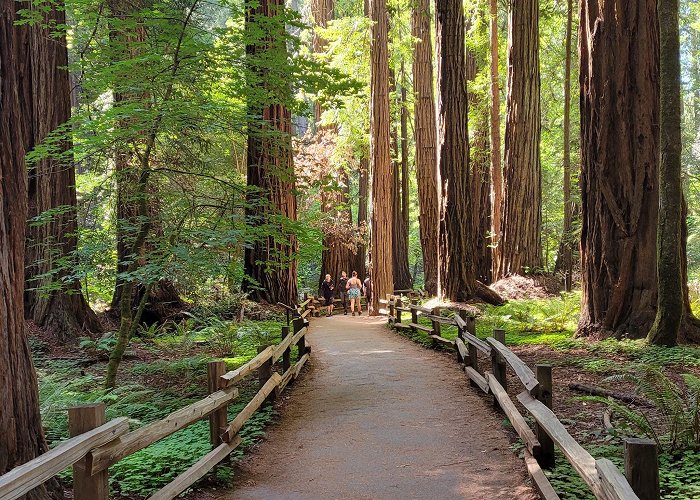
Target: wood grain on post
(435,324)
(218,420)
(399,305)
(642,468)
(498,364)
(286,355)
(301,342)
(264,374)
(414,313)
(86,486)
(543,373)
(463,316)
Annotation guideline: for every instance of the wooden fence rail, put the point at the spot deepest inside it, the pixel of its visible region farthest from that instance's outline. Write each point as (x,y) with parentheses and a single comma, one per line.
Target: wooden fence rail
(604,479)
(94,445)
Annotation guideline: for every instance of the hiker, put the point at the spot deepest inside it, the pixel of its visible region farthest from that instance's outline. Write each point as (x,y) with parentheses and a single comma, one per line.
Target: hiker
(327,288)
(367,285)
(343,285)
(354,286)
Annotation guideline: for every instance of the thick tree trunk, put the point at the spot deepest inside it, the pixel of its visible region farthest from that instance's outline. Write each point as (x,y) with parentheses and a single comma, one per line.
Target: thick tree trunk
(669,312)
(425,136)
(63,311)
(270,262)
(457,238)
(520,245)
(362,221)
(565,259)
(402,273)
(495,125)
(22,436)
(336,255)
(380,156)
(322,12)
(619,56)
(480,160)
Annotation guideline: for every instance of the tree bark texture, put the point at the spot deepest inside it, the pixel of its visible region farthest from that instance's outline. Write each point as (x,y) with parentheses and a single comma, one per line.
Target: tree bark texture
(480,161)
(425,137)
(22,436)
(495,125)
(322,12)
(402,273)
(337,256)
(362,220)
(565,254)
(520,247)
(270,262)
(380,156)
(669,312)
(63,311)
(457,237)
(619,65)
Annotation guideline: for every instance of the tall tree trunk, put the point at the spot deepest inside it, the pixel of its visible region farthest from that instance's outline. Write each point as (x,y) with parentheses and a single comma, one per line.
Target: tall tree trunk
(457,278)
(362,221)
(322,12)
(425,136)
(520,245)
(63,311)
(402,274)
(270,262)
(565,254)
(380,157)
(495,125)
(22,436)
(480,181)
(669,311)
(619,56)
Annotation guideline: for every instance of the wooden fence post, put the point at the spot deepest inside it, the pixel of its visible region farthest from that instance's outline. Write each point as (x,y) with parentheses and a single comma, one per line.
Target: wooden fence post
(399,304)
(435,324)
(642,468)
(390,306)
(498,365)
(544,395)
(218,419)
(414,314)
(86,486)
(301,344)
(471,324)
(286,355)
(462,314)
(264,373)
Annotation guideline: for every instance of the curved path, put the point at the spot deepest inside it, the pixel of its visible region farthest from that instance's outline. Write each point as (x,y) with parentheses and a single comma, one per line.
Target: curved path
(378,416)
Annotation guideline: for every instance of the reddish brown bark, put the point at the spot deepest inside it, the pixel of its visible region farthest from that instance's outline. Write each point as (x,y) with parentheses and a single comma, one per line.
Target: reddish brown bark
(425,136)
(50,246)
(22,436)
(619,161)
(520,246)
(495,125)
(380,157)
(457,278)
(270,263)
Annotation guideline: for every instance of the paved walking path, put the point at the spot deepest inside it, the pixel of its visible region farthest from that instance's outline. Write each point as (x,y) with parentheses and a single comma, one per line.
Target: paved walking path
(378,416)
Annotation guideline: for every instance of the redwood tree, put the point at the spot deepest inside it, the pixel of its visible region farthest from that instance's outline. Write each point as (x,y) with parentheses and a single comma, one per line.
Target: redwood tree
(22,436)
(51,245)
(380,157)
(270,263)
(669,311)
(425,137)
(495,125)
(520,247)
(457,278)
(619,56)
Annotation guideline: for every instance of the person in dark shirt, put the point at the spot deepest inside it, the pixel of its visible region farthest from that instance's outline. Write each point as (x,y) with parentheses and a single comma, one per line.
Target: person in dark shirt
(327,288)
(343,285)
(367,285)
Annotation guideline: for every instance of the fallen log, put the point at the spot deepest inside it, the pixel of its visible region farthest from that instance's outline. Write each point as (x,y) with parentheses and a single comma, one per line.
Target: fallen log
(599,391)
(488,295)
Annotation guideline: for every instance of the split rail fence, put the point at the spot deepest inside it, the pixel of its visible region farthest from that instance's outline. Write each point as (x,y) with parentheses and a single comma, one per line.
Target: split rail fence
(605,480)
(95,445)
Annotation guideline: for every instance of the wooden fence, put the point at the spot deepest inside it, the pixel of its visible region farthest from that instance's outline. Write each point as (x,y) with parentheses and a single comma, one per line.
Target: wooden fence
(605,480)
(95,445)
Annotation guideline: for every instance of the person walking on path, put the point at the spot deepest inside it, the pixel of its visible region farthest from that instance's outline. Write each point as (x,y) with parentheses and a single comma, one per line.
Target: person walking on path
(343,285)
(327,288)
(368,293)
(354,286)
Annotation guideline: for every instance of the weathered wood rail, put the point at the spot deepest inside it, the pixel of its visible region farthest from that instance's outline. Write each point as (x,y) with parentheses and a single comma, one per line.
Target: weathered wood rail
(94,445)
(603,478)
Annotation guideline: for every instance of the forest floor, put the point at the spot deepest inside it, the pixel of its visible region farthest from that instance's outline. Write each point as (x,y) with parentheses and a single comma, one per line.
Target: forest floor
(379,417)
